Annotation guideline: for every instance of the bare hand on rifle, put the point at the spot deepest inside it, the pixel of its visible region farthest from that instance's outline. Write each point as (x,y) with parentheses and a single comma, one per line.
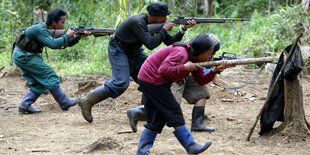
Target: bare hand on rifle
(189,24)
(225,64)
(85,34)
(190,66)
(168,25)
(71,33)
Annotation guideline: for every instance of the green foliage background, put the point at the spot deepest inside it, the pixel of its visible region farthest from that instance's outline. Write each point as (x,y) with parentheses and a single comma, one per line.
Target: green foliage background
(273,25)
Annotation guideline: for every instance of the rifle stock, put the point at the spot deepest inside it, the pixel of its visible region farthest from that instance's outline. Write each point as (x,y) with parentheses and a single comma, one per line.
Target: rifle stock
(245,61)
(97,32)
(154,28)
(56,33)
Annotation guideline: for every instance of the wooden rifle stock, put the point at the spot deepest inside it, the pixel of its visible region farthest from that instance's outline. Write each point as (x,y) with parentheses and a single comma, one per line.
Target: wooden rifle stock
(97,32)
(245,61)
(56,33)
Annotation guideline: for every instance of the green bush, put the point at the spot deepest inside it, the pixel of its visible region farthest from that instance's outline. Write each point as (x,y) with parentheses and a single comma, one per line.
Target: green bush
(269,31)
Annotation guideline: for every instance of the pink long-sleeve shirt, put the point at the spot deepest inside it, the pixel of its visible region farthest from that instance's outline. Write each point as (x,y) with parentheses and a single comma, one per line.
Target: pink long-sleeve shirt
(167,66)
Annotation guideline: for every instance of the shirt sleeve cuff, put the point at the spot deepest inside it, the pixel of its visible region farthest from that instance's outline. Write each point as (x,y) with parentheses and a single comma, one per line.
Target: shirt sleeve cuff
(66,37)
(164,32)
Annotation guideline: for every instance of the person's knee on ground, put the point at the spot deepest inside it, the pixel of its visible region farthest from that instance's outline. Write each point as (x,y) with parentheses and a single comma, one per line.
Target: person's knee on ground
(86,103)
(62,99)
(25,106)
(187,141)
(198,117)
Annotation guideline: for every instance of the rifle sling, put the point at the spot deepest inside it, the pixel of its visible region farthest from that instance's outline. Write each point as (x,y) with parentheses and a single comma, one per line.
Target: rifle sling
(249,82)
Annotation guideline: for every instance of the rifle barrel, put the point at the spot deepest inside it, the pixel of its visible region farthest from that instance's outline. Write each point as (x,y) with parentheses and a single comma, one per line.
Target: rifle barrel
(183,20)
(238,62)
(154,28)
(94,29)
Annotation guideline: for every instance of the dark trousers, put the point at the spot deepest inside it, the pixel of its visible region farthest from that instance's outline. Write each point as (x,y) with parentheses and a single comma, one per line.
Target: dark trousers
(123,66)
(161,108)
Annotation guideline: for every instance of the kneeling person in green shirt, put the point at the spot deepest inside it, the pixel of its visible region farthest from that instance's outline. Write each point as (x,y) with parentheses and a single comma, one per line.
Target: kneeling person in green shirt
(27,56)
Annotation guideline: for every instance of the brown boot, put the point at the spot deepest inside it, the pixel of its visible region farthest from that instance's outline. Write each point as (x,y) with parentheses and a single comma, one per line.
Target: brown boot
(94,97)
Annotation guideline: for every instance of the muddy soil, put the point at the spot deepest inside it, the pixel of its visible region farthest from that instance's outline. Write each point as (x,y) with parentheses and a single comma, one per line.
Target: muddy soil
(54,131)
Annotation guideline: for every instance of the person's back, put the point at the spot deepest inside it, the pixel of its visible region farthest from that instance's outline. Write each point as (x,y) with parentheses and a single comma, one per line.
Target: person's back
(157,69)
(126,31)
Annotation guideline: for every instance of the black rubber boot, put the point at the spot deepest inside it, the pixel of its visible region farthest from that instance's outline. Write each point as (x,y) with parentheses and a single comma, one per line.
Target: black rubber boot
(134,115)
(94,97)
(198,120)
(63,100)
(25,107)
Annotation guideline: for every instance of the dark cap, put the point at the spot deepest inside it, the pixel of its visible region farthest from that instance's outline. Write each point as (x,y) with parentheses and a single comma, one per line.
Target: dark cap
(158,9)
(215,41)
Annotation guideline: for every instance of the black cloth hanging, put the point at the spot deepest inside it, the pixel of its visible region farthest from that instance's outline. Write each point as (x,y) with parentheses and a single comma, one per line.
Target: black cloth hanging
(274,110)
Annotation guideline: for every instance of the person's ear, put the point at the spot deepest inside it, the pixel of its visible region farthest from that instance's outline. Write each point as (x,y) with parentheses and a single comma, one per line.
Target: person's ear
(54,23)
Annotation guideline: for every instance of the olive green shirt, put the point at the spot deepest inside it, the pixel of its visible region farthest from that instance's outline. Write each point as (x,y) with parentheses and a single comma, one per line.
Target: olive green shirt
(41,35)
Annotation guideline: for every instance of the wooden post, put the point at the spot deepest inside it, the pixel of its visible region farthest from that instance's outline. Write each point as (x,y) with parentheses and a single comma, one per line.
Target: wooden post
(294,116)
(273,88)
(40,16)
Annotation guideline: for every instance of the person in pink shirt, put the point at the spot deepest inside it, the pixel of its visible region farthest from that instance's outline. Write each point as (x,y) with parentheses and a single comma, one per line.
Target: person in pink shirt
(156,75)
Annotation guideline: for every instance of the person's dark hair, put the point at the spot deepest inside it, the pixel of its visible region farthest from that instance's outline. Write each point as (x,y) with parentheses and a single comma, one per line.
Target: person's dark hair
(54,15)
(197,45)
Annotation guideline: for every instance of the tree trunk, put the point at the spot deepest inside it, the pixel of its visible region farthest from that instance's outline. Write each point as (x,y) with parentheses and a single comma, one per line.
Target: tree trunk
(206,8)
(294,122)
(210,10)
(305,4)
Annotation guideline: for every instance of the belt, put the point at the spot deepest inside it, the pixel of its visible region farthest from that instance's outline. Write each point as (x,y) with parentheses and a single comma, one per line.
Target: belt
(121,43)
(17,48)
(118,40)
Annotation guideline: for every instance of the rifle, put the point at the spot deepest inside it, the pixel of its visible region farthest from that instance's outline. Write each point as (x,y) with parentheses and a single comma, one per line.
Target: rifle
(244,61)
(154,28)
(97,32)
(224,56)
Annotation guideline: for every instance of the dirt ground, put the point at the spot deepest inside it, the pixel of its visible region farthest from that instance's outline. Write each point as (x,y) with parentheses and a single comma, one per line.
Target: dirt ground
(66,132)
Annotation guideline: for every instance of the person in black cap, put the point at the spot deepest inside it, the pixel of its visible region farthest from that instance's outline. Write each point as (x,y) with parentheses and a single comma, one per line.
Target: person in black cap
(126,55)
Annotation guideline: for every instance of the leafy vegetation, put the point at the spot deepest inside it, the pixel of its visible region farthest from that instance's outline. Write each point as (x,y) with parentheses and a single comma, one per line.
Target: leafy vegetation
(273,25)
